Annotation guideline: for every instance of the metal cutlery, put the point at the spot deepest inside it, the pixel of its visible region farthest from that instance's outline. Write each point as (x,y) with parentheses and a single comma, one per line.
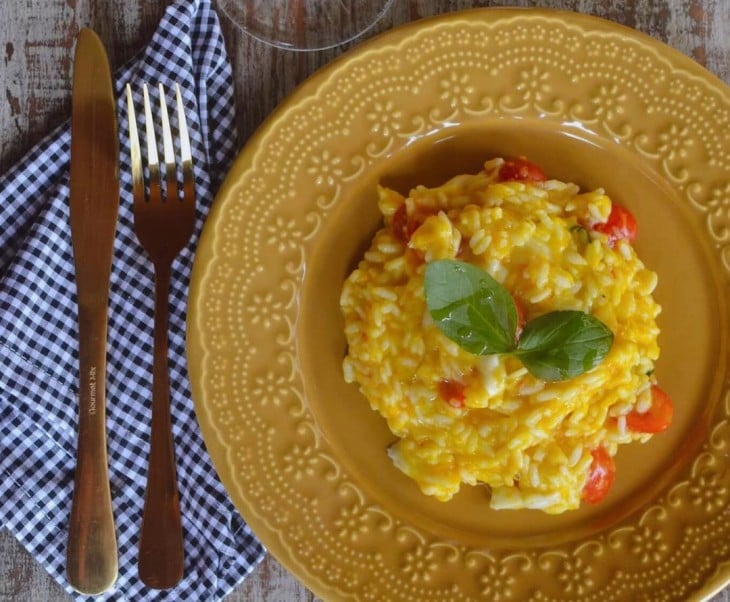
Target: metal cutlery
(164,224)
(92,547)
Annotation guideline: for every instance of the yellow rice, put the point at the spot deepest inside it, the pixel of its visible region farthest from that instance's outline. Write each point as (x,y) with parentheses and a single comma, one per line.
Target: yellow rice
(530,441)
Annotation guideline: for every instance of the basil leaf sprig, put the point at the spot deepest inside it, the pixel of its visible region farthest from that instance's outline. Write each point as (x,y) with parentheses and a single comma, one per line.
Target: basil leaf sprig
(472,309)
(563,344)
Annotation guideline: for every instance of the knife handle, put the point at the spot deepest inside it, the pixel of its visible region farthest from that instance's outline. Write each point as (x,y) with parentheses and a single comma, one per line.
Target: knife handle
(161,548)
(92,543)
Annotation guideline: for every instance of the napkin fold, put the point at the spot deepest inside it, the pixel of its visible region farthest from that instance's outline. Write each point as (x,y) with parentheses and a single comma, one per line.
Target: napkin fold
(39,348)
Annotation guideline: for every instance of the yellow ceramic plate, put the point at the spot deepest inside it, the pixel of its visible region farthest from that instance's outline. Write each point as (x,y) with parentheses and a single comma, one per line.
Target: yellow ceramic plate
(301,453)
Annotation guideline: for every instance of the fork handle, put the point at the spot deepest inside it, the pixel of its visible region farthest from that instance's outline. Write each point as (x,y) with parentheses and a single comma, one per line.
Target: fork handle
(161,541)
(91,554)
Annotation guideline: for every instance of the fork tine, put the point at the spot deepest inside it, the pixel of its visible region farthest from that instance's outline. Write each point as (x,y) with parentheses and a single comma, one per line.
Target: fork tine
(168,149)
(186,157)
(135,154)
(153,160)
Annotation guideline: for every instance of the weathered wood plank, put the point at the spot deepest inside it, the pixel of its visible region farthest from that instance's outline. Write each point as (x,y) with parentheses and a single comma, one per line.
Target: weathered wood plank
(36,39)
(22,579)
(271,581)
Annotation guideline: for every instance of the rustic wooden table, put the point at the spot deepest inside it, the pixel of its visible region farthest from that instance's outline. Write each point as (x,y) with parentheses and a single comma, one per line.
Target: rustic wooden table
(35,75)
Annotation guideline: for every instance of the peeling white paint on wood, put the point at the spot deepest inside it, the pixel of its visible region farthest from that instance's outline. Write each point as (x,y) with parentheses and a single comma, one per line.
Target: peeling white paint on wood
(36,42)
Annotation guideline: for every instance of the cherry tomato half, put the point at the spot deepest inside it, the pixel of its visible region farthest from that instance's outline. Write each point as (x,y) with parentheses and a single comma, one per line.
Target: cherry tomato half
(452,392)
(600,476)
(621,224)
(522,170)
(657,418)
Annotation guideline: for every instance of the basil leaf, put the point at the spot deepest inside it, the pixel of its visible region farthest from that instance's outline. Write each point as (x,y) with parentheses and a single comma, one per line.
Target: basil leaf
(563,344)
(470,307)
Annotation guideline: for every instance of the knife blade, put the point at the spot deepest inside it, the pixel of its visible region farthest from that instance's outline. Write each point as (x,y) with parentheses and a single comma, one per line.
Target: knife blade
(92,547)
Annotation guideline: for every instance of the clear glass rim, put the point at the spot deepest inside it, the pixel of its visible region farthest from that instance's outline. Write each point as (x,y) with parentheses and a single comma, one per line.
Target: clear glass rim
(293,47)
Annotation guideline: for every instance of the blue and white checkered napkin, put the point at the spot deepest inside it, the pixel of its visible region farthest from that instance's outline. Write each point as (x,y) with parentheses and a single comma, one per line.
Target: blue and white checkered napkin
(38,345)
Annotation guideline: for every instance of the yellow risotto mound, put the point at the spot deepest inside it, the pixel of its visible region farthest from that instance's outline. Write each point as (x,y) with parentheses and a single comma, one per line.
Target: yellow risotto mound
(529,440)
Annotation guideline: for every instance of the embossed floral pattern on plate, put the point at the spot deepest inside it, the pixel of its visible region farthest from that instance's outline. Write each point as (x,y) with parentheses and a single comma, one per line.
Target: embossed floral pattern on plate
(245,361)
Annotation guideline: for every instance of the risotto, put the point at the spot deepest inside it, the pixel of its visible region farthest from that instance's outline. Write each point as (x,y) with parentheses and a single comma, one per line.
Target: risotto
(459,417)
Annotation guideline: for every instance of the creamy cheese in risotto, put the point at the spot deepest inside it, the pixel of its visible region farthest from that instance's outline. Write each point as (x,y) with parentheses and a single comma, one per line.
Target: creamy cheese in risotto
(463,418)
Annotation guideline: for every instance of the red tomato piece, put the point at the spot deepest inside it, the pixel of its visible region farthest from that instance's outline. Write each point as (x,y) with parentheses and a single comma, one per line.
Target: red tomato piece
(621,225)
(657,418)
(522,170)
(452,392)
(399,225)
(600,476)
(403,226)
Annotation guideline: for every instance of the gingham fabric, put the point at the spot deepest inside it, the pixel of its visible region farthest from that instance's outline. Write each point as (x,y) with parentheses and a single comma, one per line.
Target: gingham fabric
(38,345)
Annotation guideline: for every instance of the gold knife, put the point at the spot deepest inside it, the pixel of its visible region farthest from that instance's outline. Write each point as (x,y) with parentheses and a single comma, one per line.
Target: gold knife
(92,544)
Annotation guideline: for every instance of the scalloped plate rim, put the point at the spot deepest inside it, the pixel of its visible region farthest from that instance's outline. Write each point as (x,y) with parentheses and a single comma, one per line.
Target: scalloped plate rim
(247,158)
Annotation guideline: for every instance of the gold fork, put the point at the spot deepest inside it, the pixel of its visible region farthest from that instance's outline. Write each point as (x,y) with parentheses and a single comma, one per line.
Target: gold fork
(164,224)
